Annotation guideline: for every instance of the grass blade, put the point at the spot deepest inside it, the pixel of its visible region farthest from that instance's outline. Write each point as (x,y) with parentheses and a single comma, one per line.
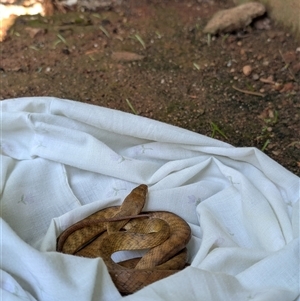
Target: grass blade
(62,38)
(208,39)
(104,31)
(131,107)
(140,40)
(196,66)
(215,129)
(265,145)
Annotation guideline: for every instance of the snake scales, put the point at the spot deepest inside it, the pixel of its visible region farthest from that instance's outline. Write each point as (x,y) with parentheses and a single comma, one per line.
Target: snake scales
(162,233)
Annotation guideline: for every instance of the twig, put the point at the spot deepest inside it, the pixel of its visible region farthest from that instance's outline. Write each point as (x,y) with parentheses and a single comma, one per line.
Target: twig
(267,81)
(248,92)
(293,144)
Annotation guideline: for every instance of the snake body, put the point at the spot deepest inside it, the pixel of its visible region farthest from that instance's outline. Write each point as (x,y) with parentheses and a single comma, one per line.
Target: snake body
(163,234)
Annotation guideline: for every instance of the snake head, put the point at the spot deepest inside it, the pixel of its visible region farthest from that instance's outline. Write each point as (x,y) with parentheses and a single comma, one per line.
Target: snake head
(135,200)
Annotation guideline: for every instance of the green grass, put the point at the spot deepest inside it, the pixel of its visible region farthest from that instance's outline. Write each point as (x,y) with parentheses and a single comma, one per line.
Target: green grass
(215,129)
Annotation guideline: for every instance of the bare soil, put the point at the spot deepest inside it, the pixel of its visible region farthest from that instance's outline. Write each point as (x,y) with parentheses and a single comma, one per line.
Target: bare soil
(185,77)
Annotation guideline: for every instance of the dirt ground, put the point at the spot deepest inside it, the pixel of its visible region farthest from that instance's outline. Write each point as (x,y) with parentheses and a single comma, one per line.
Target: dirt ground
(173,72)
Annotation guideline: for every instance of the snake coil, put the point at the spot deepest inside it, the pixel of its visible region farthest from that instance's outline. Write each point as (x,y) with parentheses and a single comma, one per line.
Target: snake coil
(163,234)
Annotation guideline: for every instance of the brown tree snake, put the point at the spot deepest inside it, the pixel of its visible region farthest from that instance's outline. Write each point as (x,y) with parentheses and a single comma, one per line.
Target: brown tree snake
(163,234)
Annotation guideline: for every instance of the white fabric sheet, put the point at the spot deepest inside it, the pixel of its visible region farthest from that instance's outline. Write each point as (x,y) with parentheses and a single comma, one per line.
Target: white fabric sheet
(62,160)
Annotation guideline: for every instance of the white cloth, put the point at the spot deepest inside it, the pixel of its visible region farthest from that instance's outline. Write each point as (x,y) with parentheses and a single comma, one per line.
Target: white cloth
(62,160)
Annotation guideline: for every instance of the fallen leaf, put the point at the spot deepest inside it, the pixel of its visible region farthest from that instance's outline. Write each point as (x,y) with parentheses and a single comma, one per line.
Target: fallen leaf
(287,87)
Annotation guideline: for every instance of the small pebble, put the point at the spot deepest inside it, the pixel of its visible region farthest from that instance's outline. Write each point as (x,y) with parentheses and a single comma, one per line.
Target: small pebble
(247,70)
(243,51)
(259,57)
(255,76)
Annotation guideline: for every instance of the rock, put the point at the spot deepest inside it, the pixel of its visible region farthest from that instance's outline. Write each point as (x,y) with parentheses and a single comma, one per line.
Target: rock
(126,56)
(236,18)
(247,70)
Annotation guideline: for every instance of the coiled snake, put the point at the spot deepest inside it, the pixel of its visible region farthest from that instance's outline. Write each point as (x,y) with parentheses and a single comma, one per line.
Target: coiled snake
(164,234)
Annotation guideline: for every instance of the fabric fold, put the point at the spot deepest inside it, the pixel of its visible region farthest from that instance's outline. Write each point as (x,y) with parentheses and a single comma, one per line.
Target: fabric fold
(62,160)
